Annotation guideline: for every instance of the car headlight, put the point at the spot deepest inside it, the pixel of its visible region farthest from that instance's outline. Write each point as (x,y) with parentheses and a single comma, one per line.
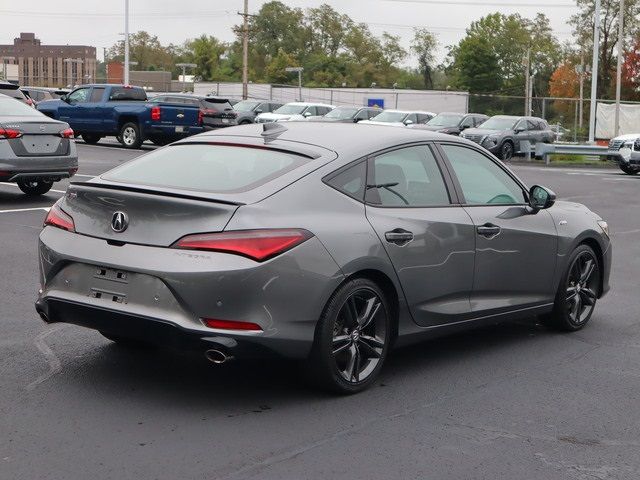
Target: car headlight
(490,139)
(604,226)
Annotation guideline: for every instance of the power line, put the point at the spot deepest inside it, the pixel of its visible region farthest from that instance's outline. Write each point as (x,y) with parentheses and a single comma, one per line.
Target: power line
(487,4)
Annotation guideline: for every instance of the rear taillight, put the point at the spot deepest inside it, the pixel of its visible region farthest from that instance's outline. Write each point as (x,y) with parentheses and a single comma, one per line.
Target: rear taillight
(231,325)
(258,245)
(201,113)
(66,133)
(29,102)
(155,113)
(9,133)
(59,218)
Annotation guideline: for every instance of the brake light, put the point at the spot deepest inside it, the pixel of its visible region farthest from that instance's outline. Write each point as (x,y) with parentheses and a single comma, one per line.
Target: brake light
(201,116)
(155,113)
(9,133)
(67,133)
(59,218)
(258,245)
(231,325)
(29,102)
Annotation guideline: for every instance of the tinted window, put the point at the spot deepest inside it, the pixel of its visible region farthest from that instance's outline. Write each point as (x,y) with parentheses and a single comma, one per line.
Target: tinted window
(96,94)
(208,168)
(372,113)
(310,110)
(10,108)
(351,181)
(468,122)
(480,120)
(482,180)
(412,117)
(127,93)
(219,103)
(79,96)
(423,118)
(363,115)
(522,125)
(533,125)
(408,177)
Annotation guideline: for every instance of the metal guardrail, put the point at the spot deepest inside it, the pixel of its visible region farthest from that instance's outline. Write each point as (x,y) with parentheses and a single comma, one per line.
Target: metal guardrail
(545,149)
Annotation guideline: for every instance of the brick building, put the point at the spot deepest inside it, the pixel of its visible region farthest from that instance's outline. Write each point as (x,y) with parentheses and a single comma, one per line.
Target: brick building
(49,65)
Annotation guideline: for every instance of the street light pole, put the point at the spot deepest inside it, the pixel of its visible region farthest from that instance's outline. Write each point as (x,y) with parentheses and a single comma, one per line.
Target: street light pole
(299,70)
(594,73)
(616,129)
(126,42)
(184,67)
(245,51)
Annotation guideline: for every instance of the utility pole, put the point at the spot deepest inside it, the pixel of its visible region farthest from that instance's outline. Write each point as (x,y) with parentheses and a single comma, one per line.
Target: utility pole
(245,50)
(299,70)
(126,42)
(616,129)
(594,73)
(527,80)
(582,75)
(184,67)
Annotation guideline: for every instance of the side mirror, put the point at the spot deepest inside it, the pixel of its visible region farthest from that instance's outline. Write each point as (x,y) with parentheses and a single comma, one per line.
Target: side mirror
(408,122)
(306,114)
(518,130)
(541,198)
(258,111)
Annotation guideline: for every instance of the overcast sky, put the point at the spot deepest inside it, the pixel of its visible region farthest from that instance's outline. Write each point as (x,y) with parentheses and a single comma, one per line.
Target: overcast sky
(98,23)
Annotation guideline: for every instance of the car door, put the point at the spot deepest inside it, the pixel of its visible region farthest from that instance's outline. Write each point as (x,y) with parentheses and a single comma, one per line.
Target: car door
(72,111)
(93,121)
(515,249)
(427,236)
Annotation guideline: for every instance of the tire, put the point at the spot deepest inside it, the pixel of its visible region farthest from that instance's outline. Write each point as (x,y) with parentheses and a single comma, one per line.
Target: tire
(90,138)
(577,294)
(129,136)
(245,122)
(125,341)
(35,187)
(627,170)
(506,151)
(336,360)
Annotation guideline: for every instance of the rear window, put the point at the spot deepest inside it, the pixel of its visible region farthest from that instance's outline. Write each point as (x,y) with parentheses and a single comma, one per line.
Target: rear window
(219,103)
(12,93)
(126,93)
(206,168)
(11,108)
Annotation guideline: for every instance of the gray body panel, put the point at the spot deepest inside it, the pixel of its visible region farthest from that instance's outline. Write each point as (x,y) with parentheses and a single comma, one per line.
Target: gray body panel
(445,278)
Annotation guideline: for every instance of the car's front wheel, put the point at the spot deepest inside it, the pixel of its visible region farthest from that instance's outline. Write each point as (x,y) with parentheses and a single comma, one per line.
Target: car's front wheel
(506,151)
(35,187)
(628,170)
(352,338)
(578,292)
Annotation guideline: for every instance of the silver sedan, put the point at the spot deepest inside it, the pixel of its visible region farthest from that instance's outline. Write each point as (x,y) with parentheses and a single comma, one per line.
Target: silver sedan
(35,150)
(330,244)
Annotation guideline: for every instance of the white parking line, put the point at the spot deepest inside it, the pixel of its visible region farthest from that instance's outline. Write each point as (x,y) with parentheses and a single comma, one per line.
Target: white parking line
(84,176)
(34,209)
(14,185)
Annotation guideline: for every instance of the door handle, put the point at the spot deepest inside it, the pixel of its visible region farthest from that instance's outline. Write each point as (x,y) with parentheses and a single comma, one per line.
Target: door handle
(399,236)
(488,230)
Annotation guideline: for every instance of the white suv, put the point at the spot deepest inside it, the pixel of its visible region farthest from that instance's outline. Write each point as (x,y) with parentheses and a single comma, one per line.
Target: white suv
(295,111)
(625,151)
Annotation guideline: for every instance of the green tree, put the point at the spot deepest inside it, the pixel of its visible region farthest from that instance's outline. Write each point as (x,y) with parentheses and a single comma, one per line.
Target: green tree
(477,66)
(424,46)
(145,49)
(275,71)
(207,52)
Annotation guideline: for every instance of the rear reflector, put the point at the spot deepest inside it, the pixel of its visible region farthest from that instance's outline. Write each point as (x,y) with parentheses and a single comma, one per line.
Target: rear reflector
(259,245)
(231,325)
(9,133)
(59,218)
(67,133)
(156,113)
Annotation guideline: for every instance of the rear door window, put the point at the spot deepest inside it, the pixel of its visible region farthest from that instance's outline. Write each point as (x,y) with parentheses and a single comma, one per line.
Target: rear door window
(207,168)
(96,94)
(351,181)
(119,94)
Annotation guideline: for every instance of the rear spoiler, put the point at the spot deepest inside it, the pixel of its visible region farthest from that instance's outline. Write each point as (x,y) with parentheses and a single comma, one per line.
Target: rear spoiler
(164,193)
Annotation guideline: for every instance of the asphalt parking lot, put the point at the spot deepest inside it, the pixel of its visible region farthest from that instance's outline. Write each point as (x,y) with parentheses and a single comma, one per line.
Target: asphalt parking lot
(514,401)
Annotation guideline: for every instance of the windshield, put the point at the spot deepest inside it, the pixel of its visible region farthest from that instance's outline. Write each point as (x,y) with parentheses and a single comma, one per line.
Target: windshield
(447,120)
(290,109)
(206,168)
(245,106)
(390,117)
(12,108)
(342,113)
(499,123)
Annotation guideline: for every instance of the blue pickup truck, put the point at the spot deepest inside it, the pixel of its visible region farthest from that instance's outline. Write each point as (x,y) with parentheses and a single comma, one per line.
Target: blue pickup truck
(122,111)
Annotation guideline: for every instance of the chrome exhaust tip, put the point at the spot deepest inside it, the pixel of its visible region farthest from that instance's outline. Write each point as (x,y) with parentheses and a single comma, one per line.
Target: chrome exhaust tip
(216,356)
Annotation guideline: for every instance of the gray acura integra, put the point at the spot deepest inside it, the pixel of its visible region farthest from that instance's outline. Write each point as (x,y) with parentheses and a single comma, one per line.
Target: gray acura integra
(328,244)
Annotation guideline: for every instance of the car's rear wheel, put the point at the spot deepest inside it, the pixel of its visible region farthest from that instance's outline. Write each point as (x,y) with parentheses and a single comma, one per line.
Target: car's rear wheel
(506,151)
(352,338)
(129,135)
(578,292)
(628,170)
(125,341)
(90,138)
(160,141)
(35,187)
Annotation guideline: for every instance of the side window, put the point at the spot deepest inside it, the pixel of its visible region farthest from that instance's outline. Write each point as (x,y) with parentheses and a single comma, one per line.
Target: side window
(363,115)
(273,106)
(482,181)
(479,120)
(96,94)
(422,118)
(531,125)
(265,107)
(351,181)
(79,96)
(373,113)
(408,177)
(311,110)
(522,125)
(412,117)
(467,122)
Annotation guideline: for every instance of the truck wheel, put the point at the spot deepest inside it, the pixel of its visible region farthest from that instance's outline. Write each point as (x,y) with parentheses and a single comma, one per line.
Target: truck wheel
(130,135)
(628,170)
(90,138)
(35,187)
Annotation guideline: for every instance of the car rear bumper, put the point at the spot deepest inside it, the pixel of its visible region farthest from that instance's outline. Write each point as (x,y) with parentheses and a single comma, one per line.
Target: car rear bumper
(13,168)
(173,131)
(166,293)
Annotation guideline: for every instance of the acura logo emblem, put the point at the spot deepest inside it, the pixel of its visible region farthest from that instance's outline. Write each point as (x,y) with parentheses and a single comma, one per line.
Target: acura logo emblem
(119,222)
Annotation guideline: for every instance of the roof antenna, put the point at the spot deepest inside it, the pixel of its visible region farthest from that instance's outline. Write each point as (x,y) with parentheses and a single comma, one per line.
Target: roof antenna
(270,131)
